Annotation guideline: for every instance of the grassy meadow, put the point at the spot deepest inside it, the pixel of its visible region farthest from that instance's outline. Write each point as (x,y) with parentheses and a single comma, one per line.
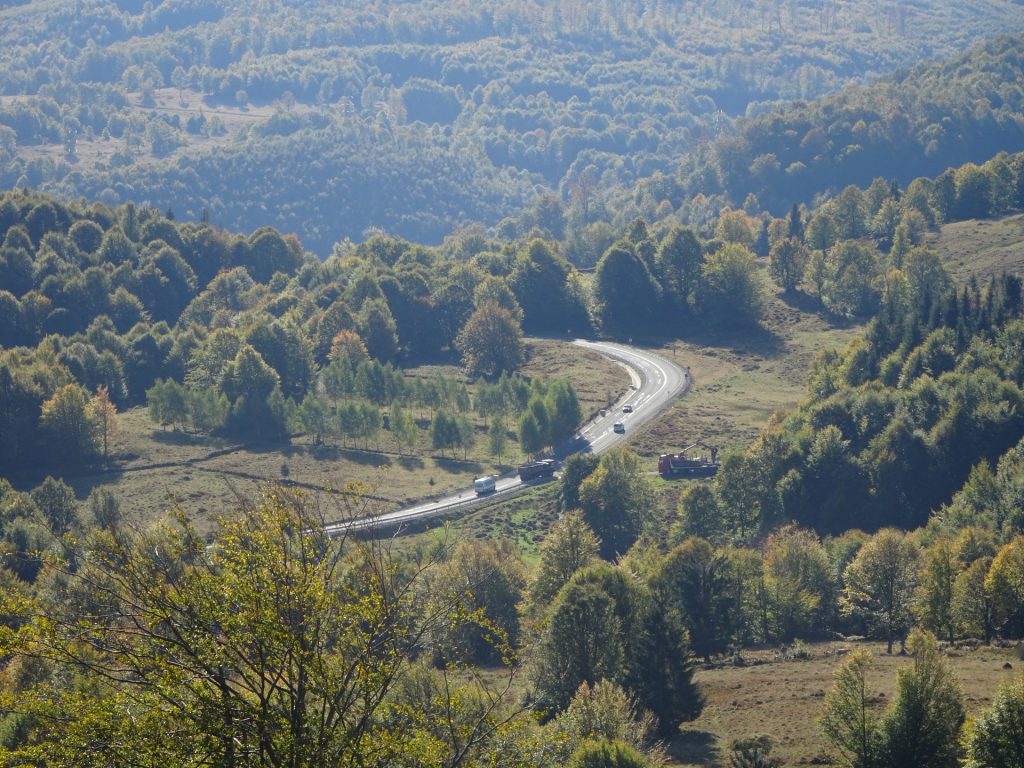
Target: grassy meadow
(783,698)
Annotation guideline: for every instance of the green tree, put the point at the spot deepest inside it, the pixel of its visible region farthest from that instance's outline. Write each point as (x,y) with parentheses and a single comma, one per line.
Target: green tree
(104,414)
(539,280)
(1005,583)
(465,433)
(798,577)
(972,602)
(582,642)
(848,721)
(616,502)
(378,329)
(849,213)
(314,417)
(624,290)
(69,425)
(56,500)
(276,641)
(569,546)
(606,711)
(491,342)
(731,287)
(695,580)
(753,752)
(880,584)
(575,469)
(564,409)
(208,409)
(851,285)
(248,376)
(661,664)
(926,276)
(933,601)
(167,401)
(105,509)
(700,514)
(788,262)
(403,428)
(286,349)
(444,432)
(995,739)
(497,439)
(973,193)
(678,266)
(484,582)
(531,436)
(607,754)
(922,726)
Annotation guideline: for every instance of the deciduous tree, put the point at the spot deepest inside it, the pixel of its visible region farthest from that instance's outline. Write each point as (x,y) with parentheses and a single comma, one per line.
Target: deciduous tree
(277,644)
(569,546)
(491,342)
(922,727)
(996,736)
(69,424)
(616,502)
(788,262)
(848,720)
(104,414)
(880,584)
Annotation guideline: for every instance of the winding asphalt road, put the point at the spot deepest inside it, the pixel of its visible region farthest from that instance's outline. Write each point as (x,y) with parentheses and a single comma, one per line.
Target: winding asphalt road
(656,381)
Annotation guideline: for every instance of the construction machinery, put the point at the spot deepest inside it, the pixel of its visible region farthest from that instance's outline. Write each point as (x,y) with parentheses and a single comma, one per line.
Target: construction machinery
(673,464)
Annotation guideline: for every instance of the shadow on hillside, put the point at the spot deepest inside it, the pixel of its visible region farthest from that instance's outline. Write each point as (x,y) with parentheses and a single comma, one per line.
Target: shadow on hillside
(741,339)
(804,302)
(457,466)
(178,437)
(365,456)
(410,462)
(695,748)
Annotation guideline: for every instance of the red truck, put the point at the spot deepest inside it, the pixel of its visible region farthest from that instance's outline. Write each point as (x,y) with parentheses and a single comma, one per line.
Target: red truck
(670,464)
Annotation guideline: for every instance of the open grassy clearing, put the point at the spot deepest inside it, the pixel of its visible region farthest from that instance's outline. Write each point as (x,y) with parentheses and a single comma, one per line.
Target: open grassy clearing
(981,247)
(783,699)
(155,468)
(741,379)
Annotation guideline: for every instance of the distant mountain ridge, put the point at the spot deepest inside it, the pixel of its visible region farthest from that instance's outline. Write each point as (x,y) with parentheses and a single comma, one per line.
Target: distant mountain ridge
(338,120)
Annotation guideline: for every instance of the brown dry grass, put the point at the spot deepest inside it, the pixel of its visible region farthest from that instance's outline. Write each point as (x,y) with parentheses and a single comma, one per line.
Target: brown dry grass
(783,699)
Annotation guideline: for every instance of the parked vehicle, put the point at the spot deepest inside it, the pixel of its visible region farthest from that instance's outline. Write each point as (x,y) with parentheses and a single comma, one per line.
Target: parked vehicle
(484,486)
(534,469)
(681,464)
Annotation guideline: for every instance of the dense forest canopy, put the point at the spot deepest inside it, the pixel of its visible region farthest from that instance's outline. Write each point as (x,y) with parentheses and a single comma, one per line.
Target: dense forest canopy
(332,120)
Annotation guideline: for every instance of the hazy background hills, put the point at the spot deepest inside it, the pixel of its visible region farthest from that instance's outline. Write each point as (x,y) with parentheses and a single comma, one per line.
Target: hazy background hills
(337,120)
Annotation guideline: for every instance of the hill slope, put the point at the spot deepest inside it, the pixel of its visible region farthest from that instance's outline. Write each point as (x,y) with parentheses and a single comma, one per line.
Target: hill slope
(416,118)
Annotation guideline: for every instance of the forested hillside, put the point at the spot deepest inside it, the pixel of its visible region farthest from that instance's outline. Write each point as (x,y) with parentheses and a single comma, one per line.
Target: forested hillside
(331,120)
(284,239)
(914,123)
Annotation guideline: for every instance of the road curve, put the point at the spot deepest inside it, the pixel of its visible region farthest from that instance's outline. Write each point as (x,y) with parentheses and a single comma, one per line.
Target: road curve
(656,381)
